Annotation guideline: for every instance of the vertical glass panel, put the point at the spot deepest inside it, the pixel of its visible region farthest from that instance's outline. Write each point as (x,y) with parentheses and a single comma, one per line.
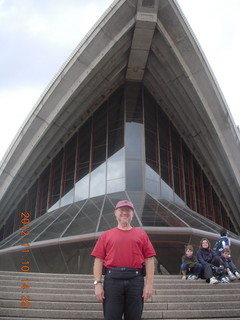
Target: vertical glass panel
(67,198)
(134,141)
(217,208)
(56,178)
(69,165)
(42,195)
(83,162)
(82,188)
(166,191)
(151,132)
(134,110)
(115,172)
(208,198)
(176,161)
(152,183)
(83,150)
(186,167)
(98,181)
(115,123)
(99,137)
(115,166)
(32,199)
(134,175)
(199,188)
(134,137)
(164,139)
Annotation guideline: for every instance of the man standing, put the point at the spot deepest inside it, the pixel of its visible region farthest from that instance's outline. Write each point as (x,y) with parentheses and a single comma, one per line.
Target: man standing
(126,254)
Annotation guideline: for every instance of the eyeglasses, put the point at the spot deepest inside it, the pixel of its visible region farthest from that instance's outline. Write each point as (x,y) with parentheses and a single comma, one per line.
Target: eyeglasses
(128,210)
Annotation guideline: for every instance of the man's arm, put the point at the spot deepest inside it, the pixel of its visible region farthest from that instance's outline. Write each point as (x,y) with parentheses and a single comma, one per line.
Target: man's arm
(147,291)
(97,272)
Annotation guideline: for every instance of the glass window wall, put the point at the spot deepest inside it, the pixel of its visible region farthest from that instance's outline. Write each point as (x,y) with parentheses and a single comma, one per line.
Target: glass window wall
(127,144)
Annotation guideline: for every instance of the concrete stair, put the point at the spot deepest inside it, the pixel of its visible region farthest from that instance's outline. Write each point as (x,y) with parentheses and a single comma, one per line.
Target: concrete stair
(62,296)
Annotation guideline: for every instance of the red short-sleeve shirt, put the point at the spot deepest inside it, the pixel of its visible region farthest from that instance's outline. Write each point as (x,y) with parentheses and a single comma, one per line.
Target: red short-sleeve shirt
(123,248)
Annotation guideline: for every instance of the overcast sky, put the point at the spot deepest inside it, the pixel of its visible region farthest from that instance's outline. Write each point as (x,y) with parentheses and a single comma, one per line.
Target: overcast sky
(37,37)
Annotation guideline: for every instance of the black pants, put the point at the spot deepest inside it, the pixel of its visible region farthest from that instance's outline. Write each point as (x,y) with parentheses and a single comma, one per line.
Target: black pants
(123,297)
(207,268)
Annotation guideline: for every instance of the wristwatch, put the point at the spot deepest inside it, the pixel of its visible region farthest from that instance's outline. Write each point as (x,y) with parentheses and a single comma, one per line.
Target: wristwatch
(96,282)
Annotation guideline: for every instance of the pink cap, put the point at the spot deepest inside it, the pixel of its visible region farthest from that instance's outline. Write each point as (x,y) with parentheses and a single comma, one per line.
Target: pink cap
(124,203)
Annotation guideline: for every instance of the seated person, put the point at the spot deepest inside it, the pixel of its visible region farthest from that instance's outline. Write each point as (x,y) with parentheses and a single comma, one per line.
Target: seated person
(208,258)
(190,265)
(228,264)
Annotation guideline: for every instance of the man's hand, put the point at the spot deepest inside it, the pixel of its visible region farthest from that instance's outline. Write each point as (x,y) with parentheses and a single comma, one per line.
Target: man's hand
(147,292)
(99,292)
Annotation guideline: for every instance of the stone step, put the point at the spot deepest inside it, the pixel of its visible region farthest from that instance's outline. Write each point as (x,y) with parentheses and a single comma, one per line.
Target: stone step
(61,297)
(88,284)
(94,314)
(39,318)
(53,305)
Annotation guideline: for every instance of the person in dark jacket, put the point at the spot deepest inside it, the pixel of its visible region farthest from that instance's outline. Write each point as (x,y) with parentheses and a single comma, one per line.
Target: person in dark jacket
(228,264)
(208,258)
(222,243)
(190,266)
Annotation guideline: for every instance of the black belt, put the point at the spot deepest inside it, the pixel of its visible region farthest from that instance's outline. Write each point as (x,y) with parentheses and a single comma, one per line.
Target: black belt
(124,270)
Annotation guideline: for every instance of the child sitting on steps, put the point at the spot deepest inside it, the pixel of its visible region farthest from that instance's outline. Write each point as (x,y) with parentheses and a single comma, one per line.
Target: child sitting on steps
(190,266)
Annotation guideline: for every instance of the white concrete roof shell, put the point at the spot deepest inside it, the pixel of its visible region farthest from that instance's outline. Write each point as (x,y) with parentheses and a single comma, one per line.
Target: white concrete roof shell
(152,44)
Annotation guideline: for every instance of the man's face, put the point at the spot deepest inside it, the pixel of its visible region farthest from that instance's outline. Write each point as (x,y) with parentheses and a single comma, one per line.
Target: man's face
(124,215)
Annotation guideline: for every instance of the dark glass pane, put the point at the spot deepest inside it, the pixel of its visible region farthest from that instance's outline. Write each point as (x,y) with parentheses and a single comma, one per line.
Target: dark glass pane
(86,220)
(38,225)
(56,229)
(83,161)
(55,177)
(153,214)
(32,199)
(134,108)
(83,151)
(78,256)
(108,219)
(164,140)
(115,123)
(151,132)
(217,208)
(186,157)
(69,165)
(50,259)
(208,198)
(115,141)
(176,161)
(199,189)
(42,195)
(99,136)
